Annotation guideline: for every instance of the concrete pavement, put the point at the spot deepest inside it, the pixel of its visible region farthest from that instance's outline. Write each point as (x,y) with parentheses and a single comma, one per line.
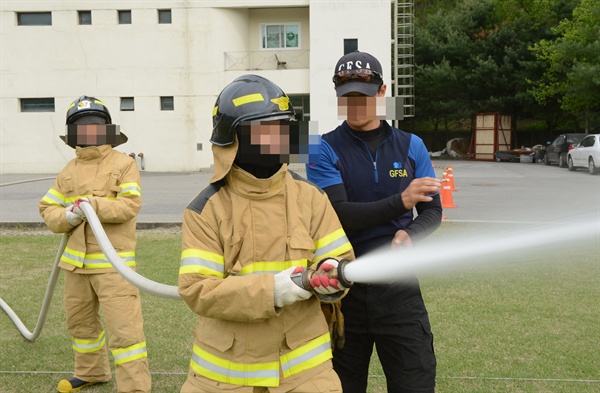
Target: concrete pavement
(492,192)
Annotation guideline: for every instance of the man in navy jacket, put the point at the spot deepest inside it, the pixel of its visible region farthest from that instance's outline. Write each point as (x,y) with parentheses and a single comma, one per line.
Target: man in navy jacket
(375,176)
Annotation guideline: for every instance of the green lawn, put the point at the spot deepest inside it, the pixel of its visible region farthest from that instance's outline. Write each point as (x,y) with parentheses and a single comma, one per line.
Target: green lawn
(529,325)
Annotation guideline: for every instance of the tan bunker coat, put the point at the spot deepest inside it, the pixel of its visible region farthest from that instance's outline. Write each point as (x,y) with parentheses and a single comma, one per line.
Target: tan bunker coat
(237,234)
(111,181)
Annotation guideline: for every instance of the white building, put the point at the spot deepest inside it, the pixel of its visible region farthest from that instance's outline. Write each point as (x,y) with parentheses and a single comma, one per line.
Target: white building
(159,66)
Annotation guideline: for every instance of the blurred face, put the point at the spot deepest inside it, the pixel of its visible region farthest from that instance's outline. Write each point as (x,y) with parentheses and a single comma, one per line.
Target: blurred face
(272,137)
(91,134)
(264,143)
(362,112)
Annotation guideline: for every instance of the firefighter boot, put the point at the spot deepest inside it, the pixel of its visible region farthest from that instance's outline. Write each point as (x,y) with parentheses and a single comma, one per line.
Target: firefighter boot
(73,385)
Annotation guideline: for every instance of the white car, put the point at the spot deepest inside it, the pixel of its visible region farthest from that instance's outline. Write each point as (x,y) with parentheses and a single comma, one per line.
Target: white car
(586,154)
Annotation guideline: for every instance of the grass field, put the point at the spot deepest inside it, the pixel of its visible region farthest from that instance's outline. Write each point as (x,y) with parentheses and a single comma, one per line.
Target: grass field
(529,325)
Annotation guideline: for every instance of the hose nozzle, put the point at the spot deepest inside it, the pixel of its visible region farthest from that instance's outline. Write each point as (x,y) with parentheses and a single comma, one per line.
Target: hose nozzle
(303,279)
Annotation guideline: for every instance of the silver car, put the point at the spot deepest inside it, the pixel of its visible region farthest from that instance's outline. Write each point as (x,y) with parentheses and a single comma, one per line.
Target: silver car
(586,154)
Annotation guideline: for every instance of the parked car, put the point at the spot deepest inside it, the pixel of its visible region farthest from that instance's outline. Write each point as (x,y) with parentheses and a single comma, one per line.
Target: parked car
(556,151)
(586,154)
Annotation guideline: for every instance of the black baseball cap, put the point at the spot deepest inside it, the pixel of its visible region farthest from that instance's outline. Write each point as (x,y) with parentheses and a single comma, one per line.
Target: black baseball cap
(358,72)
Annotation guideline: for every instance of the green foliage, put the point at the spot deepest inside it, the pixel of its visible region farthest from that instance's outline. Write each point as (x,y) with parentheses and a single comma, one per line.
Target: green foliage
(476,56)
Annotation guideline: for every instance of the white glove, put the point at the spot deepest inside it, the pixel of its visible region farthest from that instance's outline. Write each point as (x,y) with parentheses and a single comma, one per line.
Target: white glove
(77,210)
(323,284)
(73,219)
(286,291)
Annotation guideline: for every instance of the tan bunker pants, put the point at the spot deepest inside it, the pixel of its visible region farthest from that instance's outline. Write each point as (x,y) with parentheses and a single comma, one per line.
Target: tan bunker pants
(84,295)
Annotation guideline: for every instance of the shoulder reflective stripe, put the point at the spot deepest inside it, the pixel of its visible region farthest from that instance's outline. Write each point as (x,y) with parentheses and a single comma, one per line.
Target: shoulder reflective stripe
(271,267)
(333,244)
(87,346)
(130,353)
(202,262)
(130,189)
(54,197)
(307,356)
(247,374)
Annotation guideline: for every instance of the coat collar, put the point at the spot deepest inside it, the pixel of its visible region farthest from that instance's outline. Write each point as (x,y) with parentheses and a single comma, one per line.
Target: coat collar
(245,184)
(92,152)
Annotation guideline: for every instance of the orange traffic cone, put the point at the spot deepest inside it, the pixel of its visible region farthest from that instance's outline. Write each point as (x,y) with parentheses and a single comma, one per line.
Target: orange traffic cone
(451,178)
(446,193)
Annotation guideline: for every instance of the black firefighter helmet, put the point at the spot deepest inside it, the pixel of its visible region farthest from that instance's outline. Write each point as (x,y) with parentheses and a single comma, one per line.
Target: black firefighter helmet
(90,110)
(248,97)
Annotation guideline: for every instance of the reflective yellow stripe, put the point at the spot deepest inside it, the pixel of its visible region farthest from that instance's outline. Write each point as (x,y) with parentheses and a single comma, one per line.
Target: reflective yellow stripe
(73,257)
(332,245)
(131,188)
(247,374)
(71,200)
(247,99)
(95,261)
(271,267)
(215,109)
(194,261)
(307,356)
(54,197)
(130,353)
(87,346)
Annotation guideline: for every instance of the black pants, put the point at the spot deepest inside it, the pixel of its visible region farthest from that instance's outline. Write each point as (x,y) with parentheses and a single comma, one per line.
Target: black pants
(398,326)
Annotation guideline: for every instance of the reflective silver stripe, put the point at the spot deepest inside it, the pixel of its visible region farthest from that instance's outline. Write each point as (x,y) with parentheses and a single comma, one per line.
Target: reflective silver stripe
(130,189)
(73,257)
(331,246)
(105,260)
(230,373)
(194,261)
(129,353)
(310,355)
(55,198)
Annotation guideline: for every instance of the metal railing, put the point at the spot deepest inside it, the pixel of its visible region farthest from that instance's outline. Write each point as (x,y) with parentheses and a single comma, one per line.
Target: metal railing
(267,60)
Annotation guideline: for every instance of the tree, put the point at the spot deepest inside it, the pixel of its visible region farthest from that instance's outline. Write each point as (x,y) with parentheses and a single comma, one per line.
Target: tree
(573,73)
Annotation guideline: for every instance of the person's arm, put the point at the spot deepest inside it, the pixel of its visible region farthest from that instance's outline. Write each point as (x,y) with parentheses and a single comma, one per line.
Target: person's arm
(428,220)
(52,208)
(362,215)
(204,283)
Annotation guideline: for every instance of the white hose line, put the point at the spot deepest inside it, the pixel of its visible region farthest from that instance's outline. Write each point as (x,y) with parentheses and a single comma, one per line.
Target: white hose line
(47,298)
(136,279)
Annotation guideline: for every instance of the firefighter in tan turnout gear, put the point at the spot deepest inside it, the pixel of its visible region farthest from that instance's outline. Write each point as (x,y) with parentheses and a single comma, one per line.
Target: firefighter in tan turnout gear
(244,236)
(110,182)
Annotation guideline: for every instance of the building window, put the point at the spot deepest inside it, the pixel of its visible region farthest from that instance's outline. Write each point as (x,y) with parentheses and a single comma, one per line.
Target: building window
(164,16)
(124,17)
(167,104)
(127,104)
(34,18)
(350,45)
(281,36)
(85,17)
(37,104)
(301,104)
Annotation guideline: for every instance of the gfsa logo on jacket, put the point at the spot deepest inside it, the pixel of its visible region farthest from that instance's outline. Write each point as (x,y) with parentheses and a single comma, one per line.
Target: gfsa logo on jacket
(398,171)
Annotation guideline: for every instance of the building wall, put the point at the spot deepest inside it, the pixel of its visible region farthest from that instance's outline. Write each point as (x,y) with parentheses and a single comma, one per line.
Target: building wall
(146,60)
